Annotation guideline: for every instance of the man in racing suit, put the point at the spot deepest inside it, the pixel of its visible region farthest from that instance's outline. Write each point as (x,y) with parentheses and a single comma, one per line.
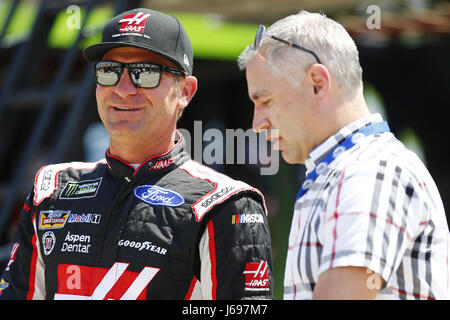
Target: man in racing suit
(167,228)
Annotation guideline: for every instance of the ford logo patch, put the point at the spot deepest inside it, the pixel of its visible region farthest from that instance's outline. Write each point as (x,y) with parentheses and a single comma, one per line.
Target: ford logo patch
(158,196)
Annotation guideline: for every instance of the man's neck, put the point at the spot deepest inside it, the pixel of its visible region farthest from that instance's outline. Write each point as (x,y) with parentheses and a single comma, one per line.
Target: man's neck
(138,152)
(341,114)
(350,111)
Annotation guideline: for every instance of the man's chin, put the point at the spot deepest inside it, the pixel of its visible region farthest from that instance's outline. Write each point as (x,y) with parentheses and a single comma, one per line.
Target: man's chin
(125,128)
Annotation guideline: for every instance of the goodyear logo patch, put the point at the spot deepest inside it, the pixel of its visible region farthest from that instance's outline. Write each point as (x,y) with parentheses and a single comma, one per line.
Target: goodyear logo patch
(53,219)
(81,189)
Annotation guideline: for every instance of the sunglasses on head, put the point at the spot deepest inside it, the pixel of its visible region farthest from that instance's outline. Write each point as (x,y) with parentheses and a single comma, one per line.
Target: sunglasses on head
(260,33)
(142,74)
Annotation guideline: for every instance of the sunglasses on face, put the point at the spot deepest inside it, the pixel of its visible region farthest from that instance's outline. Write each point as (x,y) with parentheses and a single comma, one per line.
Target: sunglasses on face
(260,33)
(142,74)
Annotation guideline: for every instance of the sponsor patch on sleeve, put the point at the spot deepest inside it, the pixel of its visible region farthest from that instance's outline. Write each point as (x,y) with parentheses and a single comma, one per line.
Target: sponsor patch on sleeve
(247,218)
(225,187)
(256,276)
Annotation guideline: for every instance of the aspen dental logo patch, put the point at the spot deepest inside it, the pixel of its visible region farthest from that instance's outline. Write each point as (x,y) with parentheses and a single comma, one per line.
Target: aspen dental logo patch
(81,189)
(158,196)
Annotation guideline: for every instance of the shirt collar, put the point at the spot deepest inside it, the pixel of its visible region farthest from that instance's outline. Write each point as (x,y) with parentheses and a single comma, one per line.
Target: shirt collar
(318,153)
(153,166)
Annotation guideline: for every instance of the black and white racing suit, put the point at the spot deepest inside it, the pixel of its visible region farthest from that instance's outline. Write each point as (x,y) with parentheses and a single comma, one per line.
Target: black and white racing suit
(170,229)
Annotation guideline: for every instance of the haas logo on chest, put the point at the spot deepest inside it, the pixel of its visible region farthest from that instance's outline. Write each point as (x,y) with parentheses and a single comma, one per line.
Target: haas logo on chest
(158,196)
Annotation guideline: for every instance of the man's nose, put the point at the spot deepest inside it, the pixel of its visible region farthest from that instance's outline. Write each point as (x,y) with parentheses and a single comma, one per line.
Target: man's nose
(260,120)
(125,86)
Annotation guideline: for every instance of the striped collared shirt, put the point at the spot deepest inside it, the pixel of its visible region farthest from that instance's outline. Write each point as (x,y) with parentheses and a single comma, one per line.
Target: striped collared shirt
(375,206)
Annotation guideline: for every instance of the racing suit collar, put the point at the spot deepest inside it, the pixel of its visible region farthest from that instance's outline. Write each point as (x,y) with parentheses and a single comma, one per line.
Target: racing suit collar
(153,166)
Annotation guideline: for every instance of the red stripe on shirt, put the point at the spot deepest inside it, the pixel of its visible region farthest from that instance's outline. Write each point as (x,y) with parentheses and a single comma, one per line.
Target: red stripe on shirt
(212,255)
(414,294)
(32,278)
(374,215)
(191,289)
(336,215)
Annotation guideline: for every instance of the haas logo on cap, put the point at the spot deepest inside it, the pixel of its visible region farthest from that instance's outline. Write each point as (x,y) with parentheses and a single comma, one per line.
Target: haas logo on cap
(134,22)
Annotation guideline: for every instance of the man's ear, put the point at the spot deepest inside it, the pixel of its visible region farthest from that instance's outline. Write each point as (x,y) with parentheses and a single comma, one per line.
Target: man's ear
(319,80)
(187,89)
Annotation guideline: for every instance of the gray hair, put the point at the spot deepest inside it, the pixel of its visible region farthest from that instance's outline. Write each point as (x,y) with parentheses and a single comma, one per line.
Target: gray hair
(314,31)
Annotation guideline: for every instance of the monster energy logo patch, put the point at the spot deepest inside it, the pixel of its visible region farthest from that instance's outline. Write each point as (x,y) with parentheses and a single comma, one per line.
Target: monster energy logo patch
(81,189)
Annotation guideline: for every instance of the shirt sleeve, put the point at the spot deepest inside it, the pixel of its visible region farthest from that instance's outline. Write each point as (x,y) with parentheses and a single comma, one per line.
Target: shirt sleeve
(372,214)
(23,276)
(235,253)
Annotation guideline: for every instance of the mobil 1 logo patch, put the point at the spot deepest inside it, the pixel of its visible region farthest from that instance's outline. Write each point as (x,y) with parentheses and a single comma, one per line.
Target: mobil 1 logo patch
(81,189)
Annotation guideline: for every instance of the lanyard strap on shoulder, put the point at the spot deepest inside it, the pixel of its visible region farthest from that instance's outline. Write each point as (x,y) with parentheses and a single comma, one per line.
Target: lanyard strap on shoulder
(348,143)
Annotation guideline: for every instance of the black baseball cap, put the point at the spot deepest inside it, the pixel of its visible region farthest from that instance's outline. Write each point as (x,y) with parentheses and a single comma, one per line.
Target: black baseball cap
(147,29)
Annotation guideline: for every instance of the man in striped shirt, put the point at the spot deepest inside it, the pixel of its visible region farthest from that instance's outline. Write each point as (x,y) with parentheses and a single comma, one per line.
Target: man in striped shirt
(368,220)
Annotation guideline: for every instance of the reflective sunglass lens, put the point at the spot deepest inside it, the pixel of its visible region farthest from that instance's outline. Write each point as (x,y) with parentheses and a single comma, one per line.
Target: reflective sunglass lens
(107,74)
(145,76)
(107,78)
